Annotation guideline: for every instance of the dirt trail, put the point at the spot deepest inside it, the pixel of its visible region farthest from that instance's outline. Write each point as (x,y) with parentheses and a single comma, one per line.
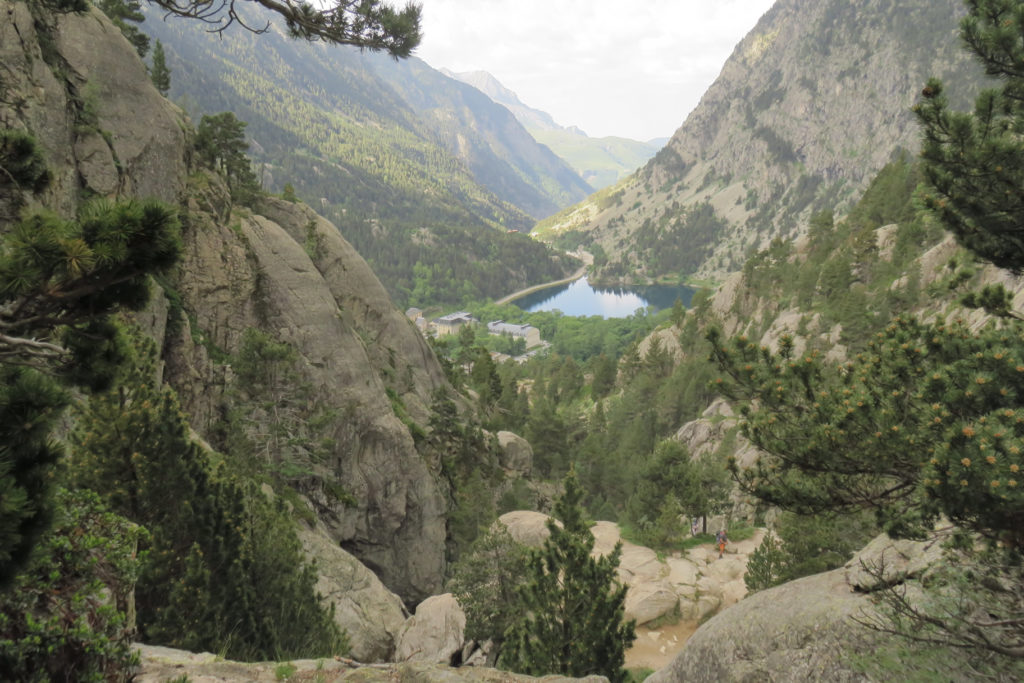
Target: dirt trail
(654,648)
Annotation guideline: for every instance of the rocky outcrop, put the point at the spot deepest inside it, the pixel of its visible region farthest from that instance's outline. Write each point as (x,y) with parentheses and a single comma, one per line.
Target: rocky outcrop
(434,634)
(369,613)
(805,629)
(686,586)
(276,267)
(161,664)
(516,454)
(339,322)
(799,631)
(668,340)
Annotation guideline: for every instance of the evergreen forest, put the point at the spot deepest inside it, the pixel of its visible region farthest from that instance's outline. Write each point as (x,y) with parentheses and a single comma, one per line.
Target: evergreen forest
(196,390)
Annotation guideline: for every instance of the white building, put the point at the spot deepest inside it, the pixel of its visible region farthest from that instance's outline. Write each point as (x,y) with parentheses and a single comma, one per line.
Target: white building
(451,323)
(528,332)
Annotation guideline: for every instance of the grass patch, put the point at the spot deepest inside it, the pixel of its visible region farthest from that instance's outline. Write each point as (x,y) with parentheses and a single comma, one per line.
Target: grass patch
(694,541)
(740,532)
(284,671)
(639,674)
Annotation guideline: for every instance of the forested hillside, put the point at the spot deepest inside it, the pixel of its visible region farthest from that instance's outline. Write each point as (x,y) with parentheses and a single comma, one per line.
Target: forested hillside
(204,390)
(811,104)
(377,147)
(219,432)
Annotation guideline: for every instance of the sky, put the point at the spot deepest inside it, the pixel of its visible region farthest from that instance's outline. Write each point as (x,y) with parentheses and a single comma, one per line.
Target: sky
(629,68)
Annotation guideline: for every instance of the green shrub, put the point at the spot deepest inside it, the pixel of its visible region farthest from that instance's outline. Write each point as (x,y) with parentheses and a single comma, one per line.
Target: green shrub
(65,616)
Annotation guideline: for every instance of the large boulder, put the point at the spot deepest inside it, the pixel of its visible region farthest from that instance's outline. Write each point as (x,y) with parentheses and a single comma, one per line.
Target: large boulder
(516,453)
(369,613)
(651,600)
(526,527)
(434,633)
(800,631)
(885,561)
(806,629)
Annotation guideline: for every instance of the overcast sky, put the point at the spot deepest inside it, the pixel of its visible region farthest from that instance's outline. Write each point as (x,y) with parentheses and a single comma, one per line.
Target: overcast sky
(626,68)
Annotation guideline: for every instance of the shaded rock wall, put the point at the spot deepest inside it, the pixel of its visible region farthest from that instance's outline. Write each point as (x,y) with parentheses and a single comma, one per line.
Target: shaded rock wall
(78,86)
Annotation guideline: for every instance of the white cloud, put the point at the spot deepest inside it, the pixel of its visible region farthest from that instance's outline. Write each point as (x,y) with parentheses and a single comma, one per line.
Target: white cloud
(612,68)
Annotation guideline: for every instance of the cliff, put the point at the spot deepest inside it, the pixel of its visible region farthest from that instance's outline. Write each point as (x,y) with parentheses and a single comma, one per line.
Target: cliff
(77,85)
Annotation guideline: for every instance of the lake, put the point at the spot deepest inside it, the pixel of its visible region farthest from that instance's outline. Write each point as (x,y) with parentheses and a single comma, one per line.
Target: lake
(579,298)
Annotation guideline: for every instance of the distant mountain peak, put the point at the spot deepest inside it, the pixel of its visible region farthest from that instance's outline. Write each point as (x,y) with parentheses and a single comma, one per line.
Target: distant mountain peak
(811,104)
(532,119)
(599,161)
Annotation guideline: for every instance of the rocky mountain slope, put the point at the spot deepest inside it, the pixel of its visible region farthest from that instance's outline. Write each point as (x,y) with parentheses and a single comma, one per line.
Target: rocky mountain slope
(276,267)
(811,104)
(494,147)
(803,629)
(600,161)
(400,158)
(407,102)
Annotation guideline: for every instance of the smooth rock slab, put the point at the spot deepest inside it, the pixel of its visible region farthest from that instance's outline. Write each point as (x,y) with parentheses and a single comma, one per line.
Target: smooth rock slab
(526,527)
(435,633)
(648,601)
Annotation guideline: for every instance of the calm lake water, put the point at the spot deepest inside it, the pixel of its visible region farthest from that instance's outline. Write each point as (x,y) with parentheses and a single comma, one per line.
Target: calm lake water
(580,299)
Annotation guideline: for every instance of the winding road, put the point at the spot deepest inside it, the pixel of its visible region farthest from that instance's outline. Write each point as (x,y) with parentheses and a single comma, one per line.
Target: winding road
(585,256)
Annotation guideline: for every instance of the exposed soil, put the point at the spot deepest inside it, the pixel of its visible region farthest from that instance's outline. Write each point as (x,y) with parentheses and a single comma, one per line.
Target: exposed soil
(655,648)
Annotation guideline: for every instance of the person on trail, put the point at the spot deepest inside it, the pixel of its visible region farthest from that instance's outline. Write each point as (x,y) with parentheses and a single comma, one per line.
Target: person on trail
(695,526)
(721,539)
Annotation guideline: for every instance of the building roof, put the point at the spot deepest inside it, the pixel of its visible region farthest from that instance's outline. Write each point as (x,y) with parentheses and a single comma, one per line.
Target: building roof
(457,317)
(500,326)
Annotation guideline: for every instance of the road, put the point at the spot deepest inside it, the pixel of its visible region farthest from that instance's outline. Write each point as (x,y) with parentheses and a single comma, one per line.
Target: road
(585,256)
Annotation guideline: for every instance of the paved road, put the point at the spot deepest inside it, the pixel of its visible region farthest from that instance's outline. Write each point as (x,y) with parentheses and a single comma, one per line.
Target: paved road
(588,259)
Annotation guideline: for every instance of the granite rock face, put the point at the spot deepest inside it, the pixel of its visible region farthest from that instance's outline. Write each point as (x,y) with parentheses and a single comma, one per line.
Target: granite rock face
(88,102)
(435,633)
(76,85)
(369,613)
(807,629)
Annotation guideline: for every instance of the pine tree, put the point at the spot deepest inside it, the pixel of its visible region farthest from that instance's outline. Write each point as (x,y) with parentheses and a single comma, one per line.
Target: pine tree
(221,146)
(974,161)
(927,423)
(226,571)
(65,617)
(160,74)
(765,568)
(121,12)
(59,283)
(485,580)
(571,608)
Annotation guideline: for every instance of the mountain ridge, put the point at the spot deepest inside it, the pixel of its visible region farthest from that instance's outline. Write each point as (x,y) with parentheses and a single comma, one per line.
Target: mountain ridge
(388,176)
(811,103)
(600,161)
